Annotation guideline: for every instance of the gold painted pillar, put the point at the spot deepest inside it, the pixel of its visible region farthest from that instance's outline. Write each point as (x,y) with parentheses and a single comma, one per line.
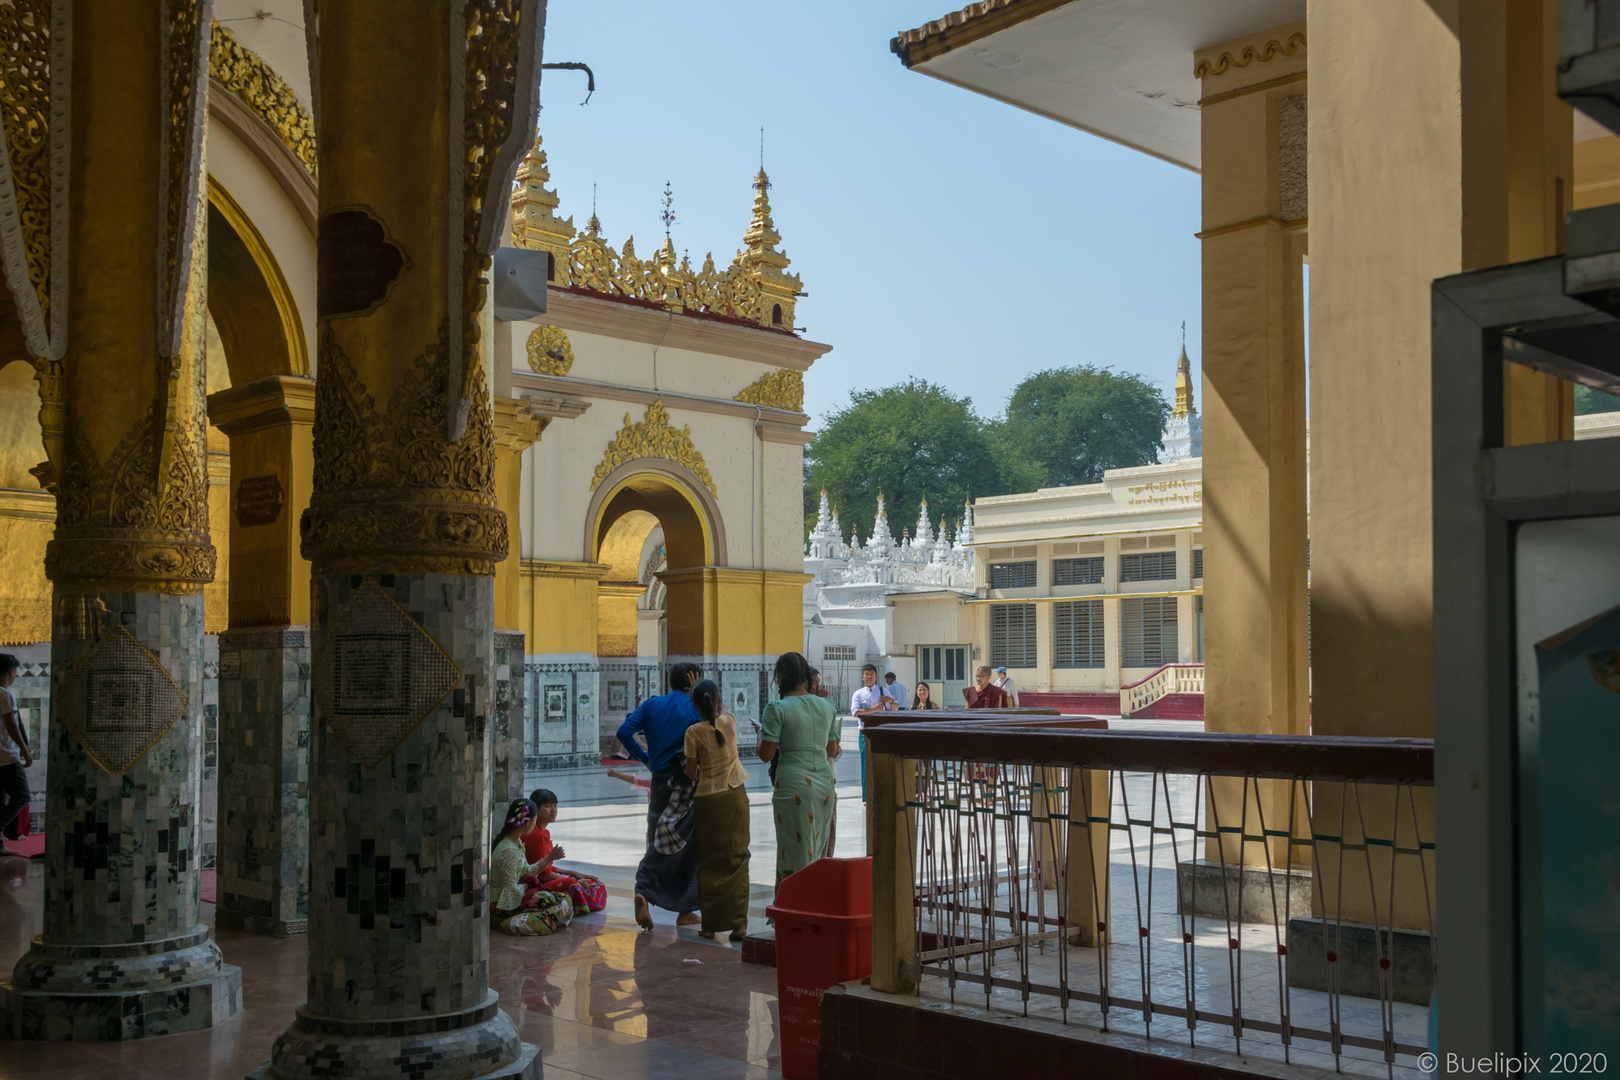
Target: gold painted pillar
(131,551)
(263,815)
(420,124)
(1254,216)
(517,427)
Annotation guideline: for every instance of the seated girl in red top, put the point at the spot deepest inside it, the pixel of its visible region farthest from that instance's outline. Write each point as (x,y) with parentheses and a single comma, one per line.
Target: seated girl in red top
(585,892)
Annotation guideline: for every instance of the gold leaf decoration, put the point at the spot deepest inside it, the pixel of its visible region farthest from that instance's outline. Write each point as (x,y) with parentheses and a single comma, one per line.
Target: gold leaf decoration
(550,352)
(25,97)
(1248,55)
(653,437)
(781,389)
(244,73)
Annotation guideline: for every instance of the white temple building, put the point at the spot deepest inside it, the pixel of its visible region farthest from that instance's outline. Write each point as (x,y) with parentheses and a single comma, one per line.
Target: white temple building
(858,591)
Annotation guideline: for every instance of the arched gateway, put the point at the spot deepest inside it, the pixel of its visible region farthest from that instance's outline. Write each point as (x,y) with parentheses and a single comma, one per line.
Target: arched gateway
(661,514)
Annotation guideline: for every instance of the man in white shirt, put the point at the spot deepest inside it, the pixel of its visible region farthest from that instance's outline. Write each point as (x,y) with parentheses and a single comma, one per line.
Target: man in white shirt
(897,690)
(870,698)
(1007,685)
(14,755)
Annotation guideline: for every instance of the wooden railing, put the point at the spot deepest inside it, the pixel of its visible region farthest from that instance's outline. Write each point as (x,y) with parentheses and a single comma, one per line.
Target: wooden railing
(1170,679)
(993,840)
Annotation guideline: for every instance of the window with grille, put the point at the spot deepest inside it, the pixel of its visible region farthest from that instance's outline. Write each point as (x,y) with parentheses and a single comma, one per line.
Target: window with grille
(1012,575)
(1148,629)
(1148,566)
(1077,634)
(1077,571)
(833,653)
(1198,563)
(1012,635)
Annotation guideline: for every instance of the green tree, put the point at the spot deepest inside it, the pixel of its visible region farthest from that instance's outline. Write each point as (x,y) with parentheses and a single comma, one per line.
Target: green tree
(1075,423)
(1588,400)
(912,442)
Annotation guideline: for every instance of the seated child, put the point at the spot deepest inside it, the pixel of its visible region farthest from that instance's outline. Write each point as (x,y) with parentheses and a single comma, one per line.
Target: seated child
(517,905)
(586,893)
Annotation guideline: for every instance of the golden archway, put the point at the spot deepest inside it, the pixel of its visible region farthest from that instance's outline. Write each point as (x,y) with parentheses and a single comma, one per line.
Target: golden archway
(637,498)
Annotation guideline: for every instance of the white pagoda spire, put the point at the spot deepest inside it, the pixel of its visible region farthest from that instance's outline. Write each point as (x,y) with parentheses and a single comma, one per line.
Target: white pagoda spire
(824,538)
(882,540)
(964,533)
(925,528)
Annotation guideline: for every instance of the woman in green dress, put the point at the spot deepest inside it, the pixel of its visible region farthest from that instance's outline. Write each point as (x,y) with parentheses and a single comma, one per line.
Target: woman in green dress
(803,729)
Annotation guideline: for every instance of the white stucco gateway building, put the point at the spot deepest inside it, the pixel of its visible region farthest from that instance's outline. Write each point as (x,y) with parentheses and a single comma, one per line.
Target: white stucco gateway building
(1081,591)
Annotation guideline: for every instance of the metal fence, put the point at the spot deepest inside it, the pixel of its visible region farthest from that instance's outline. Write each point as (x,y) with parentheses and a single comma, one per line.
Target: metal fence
(1272,893)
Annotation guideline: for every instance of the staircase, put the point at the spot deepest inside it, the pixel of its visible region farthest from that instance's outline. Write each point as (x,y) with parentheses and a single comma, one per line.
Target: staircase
(1173,692)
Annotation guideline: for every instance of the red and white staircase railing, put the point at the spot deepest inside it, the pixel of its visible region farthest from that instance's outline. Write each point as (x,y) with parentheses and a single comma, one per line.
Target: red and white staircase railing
(1170,679)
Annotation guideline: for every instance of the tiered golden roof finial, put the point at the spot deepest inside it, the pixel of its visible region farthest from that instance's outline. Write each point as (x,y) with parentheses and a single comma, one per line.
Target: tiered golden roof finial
(766,263)
(535,223)
(753,288)
(1184,387)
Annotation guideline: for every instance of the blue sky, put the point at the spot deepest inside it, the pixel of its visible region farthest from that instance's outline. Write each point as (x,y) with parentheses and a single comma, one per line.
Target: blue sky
(940,234)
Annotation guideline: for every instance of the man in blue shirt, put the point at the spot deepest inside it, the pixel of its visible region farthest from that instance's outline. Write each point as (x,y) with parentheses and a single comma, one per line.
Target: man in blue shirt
(667,881)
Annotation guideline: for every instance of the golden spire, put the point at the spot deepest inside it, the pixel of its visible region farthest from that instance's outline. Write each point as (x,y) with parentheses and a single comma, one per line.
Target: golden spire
(1184,387)
(535,223)
(766,263)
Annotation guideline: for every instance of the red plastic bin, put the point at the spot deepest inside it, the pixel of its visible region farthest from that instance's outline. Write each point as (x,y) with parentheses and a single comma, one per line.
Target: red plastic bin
(823,919)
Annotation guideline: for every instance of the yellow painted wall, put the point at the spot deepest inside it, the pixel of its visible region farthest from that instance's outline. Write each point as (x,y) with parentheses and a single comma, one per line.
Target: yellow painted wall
(1597,172)
(560,606)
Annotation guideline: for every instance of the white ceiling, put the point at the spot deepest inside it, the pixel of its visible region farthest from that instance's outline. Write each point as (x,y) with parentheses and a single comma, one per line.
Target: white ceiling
(1121,69)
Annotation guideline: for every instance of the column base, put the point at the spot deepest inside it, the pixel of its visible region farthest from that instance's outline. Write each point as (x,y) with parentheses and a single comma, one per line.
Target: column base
(110,993)
(475,1044)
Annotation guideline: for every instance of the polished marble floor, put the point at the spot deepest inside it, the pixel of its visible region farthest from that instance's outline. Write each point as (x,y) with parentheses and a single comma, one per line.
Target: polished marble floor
(600,999)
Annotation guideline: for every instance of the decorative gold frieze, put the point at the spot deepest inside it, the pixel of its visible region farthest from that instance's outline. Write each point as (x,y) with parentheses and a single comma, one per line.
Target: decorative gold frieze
(180,176)
(244,73)
(25,98)
(783,389)
(550,352)
(137,521)
(499,104)
(390,490)
(755,287)
(653,437)
(1248,55)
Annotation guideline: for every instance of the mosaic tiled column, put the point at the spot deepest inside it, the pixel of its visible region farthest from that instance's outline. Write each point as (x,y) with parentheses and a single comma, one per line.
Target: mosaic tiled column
(263,861)
(403,535)
(123,953)
(506,729)
(264,672)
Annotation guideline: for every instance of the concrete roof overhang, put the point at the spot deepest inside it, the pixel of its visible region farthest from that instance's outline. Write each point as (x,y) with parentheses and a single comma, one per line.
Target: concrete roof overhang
(1119,69)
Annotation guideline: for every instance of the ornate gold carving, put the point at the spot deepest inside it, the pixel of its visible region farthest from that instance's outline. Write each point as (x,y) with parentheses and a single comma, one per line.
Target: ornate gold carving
(25,97)
(185,74)
(495,32)
(767,264)
(752,288)
(245,74)
(550,352)
(782,389)
(654,437)
(119,700)
(1248,55)
(391,490)
(137,521)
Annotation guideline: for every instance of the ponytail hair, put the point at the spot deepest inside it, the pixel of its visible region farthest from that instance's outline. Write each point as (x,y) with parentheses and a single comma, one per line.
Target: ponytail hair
(706,698)
(792,672)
